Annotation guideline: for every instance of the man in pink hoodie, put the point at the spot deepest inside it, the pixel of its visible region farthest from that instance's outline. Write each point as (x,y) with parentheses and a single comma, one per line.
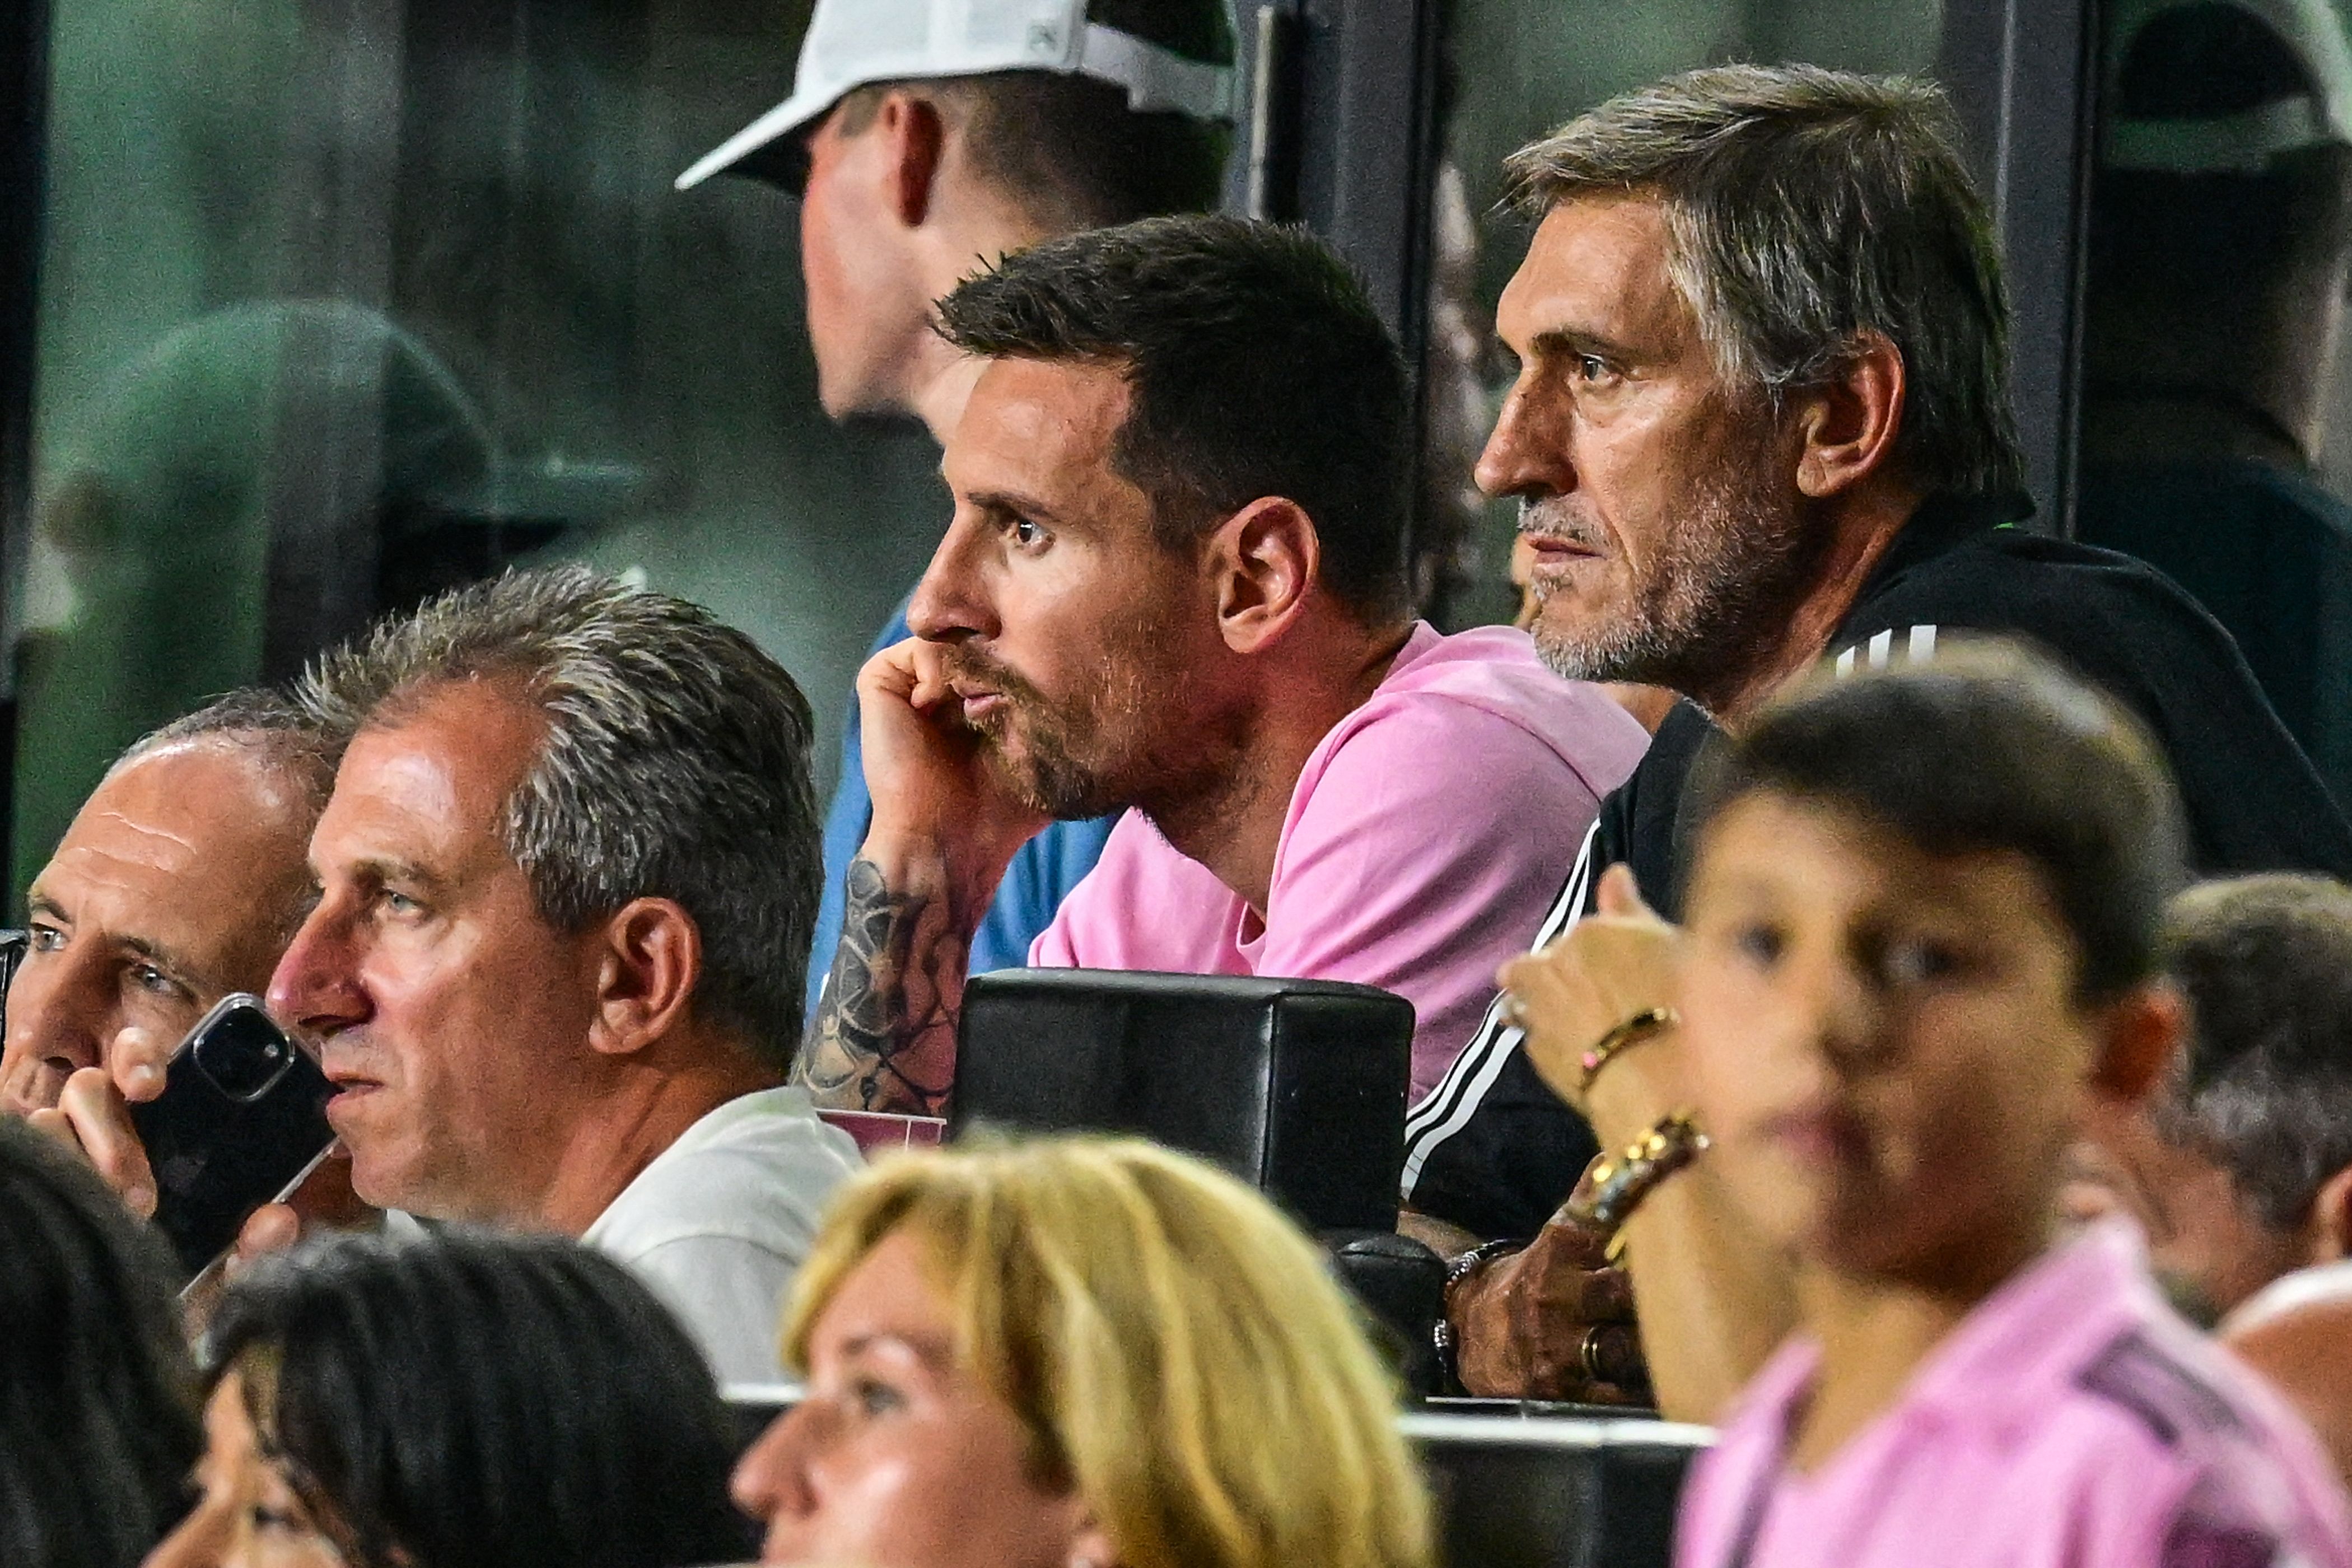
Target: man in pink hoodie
(1176,581)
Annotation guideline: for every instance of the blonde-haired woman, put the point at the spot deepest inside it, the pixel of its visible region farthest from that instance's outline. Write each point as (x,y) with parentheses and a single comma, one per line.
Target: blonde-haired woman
(1078,1353)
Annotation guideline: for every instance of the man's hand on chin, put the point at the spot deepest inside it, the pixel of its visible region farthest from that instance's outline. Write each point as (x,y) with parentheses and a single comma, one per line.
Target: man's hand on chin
(935,784)
(945,827)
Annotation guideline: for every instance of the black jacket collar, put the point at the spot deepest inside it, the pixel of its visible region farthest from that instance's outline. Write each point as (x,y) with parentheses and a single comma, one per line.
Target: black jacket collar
(1943,524)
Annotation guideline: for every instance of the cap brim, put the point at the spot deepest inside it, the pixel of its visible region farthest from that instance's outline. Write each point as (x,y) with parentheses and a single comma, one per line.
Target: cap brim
(767,149)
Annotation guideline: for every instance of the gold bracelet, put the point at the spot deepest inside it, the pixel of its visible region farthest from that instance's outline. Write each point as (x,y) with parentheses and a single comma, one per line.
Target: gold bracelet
(1632,1031)
(1620,1184)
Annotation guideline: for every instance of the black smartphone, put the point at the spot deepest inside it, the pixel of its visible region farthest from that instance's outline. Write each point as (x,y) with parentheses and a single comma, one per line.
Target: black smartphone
(13,945)
(242,1119)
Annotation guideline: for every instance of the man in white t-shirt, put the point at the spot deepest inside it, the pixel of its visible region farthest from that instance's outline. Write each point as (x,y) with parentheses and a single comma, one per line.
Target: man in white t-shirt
(566,886)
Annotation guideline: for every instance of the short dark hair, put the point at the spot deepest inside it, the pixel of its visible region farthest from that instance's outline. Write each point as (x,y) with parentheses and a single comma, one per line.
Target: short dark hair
(2266,1089)
(1986,746)
(1806,206)
(476,1400)
(1258,366)
(98,1423)
(676,765)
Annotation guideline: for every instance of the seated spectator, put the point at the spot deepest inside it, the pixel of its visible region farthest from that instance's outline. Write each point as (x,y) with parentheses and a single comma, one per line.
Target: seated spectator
(455,1401)
(1176,581)
(565,884)
(922,142)
(2241,1170)
(179,881)
(1078,1353)
(1762,419)
(2298,1334)
(97,1409)
(1923,913)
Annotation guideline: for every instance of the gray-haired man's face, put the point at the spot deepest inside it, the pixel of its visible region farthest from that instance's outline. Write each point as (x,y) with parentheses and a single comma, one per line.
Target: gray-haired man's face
(2206,1244)
(1668,533)
(451,1016)
(172,888)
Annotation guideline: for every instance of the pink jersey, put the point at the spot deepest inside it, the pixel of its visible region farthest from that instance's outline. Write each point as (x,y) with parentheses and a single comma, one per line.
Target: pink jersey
(2071,1421)
(1427,834)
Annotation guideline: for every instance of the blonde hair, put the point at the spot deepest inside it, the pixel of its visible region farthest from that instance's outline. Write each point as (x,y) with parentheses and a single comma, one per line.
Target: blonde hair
(1178,1352)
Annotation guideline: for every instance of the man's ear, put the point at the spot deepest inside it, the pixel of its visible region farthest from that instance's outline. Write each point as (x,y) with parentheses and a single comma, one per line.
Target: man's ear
(913,141)
(1263,561)
(2141,1034)
(648,962)
(1848,425)
(2331,1219)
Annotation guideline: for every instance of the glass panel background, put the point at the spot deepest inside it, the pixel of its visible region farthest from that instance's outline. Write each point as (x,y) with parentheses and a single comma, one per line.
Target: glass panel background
(1515,68)
(349,297)
(2217,416)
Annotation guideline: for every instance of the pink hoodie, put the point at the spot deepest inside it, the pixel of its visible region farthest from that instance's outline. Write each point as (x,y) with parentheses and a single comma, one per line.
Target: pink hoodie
(1428,834)
(2070,1421)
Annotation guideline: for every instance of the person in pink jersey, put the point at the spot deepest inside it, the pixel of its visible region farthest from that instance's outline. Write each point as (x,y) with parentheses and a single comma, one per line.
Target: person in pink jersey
(1176,581)
(1919,955)
(1396,858)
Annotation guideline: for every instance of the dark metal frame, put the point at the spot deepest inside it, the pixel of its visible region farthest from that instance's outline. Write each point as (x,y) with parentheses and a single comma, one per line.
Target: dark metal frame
(2022,75)
(24,105)
(1344,138)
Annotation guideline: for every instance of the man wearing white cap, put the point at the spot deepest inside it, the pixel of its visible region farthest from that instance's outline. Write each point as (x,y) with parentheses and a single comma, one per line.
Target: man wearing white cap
(926,139)
(2220,241)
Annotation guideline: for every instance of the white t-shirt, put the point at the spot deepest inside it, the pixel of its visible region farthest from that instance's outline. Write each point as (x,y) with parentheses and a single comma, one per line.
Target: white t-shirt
(722,1219)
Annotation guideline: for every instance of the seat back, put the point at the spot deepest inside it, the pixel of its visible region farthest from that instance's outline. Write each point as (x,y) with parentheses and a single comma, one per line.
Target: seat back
(1295,1085)
(1510,1490)
(1540,1492)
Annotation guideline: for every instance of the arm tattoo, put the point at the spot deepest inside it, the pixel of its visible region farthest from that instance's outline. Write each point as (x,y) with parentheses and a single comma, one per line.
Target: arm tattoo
(884,1037)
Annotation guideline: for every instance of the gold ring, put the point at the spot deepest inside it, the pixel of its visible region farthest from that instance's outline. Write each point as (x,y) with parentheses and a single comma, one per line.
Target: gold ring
(1588,1355)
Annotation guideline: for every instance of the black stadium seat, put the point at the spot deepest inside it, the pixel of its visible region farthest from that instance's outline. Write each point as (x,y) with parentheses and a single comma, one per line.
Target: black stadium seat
(1512,1490)
(1548,1491)
(1296,1086)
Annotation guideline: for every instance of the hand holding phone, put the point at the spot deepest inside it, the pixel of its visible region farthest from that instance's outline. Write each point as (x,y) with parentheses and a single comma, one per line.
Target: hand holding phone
(199,1138)
(241,1120)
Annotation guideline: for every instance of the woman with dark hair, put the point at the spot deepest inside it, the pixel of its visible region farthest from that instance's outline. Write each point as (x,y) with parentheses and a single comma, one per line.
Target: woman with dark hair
(456,1401)
(98,1413)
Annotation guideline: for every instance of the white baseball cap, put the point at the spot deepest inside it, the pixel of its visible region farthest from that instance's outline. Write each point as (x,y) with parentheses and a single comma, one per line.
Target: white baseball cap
(2172,107)
(851,43)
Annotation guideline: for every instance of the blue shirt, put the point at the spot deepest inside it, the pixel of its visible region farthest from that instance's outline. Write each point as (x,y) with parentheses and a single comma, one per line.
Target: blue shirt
(1034,885)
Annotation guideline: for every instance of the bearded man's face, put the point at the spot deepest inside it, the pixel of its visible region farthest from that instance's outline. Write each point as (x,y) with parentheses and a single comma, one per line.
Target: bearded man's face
(1670,544)
(1067,626)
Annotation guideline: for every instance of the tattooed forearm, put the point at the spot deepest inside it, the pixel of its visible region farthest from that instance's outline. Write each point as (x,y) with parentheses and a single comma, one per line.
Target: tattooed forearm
(884,1034)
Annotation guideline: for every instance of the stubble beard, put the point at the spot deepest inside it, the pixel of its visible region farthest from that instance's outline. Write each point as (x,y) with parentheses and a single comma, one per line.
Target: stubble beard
(1715,605)
(1071,758)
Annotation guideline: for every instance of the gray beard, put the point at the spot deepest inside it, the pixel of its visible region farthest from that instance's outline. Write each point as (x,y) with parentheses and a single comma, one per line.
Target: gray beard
(1717,608)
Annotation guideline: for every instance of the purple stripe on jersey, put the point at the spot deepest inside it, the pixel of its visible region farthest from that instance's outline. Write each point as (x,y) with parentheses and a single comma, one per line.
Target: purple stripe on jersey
(2170,1399)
